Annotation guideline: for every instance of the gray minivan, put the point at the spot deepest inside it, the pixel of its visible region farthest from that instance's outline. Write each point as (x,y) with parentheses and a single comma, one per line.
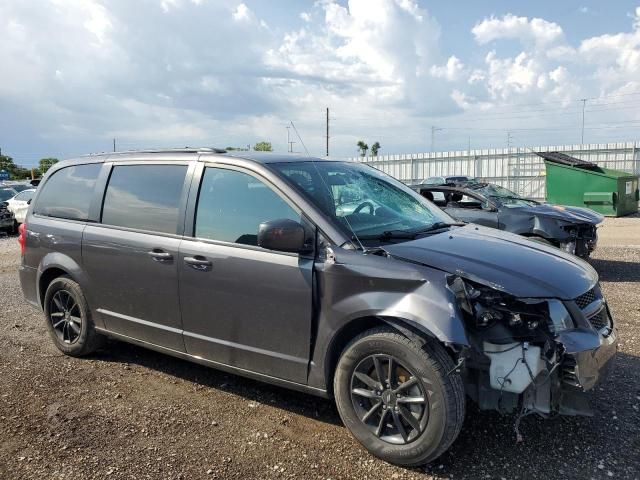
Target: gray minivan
(251,263)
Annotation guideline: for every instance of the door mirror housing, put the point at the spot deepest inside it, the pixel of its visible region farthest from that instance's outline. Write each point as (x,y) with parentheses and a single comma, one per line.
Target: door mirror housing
(283,235)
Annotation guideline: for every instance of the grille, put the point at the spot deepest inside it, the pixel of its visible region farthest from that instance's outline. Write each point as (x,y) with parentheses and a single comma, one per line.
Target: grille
(600,320)
(586,299)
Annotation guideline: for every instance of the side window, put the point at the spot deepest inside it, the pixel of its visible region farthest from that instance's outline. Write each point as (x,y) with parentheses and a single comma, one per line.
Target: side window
(470,202)
(145,197)
(232,204)
(24,196)
(436,197)
(68,192)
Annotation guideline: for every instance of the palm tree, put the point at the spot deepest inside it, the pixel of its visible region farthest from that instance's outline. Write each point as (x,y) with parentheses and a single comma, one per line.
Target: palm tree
(374,149)
(362,148)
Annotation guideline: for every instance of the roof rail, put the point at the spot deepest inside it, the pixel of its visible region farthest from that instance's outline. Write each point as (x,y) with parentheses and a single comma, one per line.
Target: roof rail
(164,150)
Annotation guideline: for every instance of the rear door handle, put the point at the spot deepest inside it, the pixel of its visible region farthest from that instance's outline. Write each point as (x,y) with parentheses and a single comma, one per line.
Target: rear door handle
(198,262)
(160,255)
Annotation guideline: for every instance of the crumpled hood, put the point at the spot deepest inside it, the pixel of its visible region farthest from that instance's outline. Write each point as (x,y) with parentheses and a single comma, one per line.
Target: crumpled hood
(502,260)
(568,214)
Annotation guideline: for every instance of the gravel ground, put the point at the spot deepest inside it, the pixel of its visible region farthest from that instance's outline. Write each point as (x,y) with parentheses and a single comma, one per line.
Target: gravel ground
(132,413)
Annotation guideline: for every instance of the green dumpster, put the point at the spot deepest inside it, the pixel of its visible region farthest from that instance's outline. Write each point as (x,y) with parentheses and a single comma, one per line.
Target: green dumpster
(571,181)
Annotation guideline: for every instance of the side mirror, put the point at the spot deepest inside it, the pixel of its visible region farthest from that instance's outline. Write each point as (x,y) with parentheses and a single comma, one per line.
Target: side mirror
(283,235)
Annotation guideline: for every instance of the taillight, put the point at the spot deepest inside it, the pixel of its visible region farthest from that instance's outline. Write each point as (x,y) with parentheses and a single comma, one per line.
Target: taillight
(22,238)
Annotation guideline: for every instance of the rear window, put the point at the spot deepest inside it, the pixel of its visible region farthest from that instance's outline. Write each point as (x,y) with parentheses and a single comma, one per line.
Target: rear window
(145,197)
(68,192)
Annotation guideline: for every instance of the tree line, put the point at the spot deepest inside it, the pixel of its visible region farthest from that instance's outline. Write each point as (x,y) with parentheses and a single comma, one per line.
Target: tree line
(18,172)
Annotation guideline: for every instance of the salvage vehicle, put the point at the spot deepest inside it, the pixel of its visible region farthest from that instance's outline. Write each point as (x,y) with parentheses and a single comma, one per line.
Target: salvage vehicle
(19,204)
(7,221)
(245,262)
(573,229)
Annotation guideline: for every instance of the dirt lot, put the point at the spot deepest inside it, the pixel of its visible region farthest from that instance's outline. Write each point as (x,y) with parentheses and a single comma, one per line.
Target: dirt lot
(132,413)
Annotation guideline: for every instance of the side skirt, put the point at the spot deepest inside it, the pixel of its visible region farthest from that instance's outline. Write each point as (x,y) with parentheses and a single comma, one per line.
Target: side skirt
(218,366)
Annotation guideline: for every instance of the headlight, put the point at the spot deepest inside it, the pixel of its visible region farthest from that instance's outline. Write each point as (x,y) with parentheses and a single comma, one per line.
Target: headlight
(560,318)
(485,307)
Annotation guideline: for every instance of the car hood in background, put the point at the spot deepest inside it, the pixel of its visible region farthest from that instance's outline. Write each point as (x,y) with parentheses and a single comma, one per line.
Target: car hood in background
(568,214)
(502,260)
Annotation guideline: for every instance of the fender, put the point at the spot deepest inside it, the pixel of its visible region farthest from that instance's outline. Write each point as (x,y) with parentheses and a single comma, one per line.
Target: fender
(67,264)
(368,289)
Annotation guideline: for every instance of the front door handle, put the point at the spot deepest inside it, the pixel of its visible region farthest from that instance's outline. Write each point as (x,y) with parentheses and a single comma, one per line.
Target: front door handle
(198,262)
(160,255)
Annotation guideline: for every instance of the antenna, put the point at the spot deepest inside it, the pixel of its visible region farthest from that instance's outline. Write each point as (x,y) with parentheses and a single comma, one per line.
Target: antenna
(306,151)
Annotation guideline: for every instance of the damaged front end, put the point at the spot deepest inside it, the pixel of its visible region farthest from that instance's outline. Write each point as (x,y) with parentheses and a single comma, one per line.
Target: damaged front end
(579,240)
(534,355)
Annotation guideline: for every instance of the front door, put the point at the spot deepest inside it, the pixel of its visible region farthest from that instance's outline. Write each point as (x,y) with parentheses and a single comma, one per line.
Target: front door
(243,305)
(131,257)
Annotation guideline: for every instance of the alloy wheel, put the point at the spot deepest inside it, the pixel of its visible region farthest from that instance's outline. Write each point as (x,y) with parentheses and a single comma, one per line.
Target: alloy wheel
(389,399)
(65,317)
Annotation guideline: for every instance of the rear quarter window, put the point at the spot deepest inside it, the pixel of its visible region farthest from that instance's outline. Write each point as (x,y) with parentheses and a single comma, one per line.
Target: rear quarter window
(68,192)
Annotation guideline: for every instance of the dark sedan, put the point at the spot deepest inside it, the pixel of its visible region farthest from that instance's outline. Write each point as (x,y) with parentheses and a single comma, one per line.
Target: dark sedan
(571,228)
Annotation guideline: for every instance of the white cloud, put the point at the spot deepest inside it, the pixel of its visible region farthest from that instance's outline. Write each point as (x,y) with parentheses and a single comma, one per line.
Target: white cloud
(452,70)
(242,13)
(536,30)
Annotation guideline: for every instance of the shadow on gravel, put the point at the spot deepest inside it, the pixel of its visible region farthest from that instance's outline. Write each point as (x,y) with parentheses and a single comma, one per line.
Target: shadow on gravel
(616,270)
(295,402)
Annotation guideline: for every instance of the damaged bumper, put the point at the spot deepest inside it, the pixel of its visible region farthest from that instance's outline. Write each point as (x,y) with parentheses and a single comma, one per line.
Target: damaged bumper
(550,375)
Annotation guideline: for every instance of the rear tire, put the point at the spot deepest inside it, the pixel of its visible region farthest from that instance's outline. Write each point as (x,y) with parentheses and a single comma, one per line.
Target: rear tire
(388,417)
(69,320)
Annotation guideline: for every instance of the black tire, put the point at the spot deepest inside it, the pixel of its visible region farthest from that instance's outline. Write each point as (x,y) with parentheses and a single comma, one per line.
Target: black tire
(440,417)
(78,337)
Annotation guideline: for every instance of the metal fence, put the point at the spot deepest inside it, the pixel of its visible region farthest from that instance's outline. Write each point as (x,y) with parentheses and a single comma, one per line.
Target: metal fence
(518,169)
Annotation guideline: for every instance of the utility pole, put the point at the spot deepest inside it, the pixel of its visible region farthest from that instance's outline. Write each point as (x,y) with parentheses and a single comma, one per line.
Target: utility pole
(584,104)
(289,142)
(114,144)
(433,136)
(327,132)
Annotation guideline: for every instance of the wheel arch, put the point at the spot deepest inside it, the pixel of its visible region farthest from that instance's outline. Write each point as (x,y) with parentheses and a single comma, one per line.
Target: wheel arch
(418,333)
(56,264)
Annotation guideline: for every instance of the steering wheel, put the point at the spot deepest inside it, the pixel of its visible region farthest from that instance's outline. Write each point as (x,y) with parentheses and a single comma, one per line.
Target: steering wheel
(365,205)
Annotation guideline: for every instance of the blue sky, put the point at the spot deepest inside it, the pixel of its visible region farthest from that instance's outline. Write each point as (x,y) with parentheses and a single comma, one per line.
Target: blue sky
(155,73)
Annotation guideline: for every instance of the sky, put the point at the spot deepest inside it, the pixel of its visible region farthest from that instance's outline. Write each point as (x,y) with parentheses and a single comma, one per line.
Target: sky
(410,74)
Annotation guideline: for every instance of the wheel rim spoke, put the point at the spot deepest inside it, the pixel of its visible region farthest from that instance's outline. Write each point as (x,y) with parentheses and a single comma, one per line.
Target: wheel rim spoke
(364,393)
(75,327)
(398,423)
(57,314)
(409,383)
(56,325)
(391,374)
(409,418)
(58,302)
(411,400)
(367,380)
(373,410)
(379,371)
(381,423)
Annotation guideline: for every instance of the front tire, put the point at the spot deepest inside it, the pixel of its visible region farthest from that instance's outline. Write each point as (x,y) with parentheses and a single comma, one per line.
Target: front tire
(69,320)
(399,399)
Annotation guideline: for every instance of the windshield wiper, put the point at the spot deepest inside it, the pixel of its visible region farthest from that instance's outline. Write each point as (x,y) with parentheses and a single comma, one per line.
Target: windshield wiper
(388,235)
(408,234)
(438,226)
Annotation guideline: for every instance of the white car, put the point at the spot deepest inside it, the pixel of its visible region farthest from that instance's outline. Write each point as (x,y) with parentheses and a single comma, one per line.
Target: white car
(19,204)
